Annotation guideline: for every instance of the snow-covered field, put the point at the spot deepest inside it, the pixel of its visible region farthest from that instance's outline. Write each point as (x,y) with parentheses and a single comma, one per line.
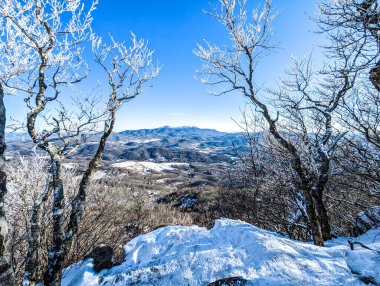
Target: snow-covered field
(144,140)
(147,166)
(138,141)
(175,256)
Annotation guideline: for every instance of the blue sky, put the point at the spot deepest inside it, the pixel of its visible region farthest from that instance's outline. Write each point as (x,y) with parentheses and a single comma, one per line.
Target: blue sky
(173,27)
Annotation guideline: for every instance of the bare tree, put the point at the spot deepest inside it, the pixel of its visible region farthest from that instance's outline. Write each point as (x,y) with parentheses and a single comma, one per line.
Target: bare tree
(15,60)
(54,32)
(308,102)
(55,50)
(112,216)
(300,102)
(6,272)
(128,70)
(353,27)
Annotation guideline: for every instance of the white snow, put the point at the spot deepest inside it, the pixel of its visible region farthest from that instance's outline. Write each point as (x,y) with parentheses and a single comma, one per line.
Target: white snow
(99,175)
(193,255)
(145,140)
(70,165)
(363,261)
(147,166)
(139,141)
(161,181)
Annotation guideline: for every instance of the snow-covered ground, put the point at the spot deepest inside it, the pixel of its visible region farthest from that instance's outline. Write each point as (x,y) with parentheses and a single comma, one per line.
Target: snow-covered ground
(144,140)
(70,165)
(147,166)
(175,256)
(138,141)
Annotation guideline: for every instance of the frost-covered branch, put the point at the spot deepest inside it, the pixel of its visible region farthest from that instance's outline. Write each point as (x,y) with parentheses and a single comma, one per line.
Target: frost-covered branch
(129,69)
(305,102)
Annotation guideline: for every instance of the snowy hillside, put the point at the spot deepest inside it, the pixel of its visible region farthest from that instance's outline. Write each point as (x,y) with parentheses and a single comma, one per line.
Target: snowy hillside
(197,256)
(180,144)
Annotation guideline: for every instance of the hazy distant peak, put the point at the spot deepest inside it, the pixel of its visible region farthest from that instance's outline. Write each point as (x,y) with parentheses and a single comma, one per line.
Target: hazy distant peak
(191,130)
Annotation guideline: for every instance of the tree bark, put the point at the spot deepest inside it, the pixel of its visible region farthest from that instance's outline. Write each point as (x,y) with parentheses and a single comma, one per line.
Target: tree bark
(323,217)
(53,273)
(318,192)
(313,219)
(32,259)
(6,269)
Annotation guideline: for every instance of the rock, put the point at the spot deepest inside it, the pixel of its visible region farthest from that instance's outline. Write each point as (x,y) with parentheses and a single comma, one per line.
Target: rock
(188,201)
(102,256)
(232,281)
(368,219)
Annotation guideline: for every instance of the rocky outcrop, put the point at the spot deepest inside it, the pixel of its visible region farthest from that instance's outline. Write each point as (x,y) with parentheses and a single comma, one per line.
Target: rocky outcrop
(102,256)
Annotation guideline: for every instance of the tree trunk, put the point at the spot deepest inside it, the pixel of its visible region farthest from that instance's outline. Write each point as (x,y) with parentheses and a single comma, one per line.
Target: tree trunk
(313,219)
(6,269)
(53,273)
(317,192)
(323,217)
(32,259)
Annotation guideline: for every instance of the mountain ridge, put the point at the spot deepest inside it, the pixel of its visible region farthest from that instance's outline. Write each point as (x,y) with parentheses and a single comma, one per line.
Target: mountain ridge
(164,144)
(174,129)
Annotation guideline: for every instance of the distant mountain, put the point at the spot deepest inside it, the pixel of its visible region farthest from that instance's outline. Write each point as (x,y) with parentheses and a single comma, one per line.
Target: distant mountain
(17,137)
(178,144)
(173,131)
(175,144)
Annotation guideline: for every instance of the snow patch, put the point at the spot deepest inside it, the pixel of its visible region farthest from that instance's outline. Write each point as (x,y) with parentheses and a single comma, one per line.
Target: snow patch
(194,255)
(99,175)
(70,166)
(147,166)
(145,140)
(363,261)
(138,141)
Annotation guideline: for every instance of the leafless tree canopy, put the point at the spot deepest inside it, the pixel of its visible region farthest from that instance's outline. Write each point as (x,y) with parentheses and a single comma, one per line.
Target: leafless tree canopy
(43,44)
(310,162)
(303,114)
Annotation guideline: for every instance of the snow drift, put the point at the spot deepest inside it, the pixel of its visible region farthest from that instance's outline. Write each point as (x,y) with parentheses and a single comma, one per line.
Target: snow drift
(197,256)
